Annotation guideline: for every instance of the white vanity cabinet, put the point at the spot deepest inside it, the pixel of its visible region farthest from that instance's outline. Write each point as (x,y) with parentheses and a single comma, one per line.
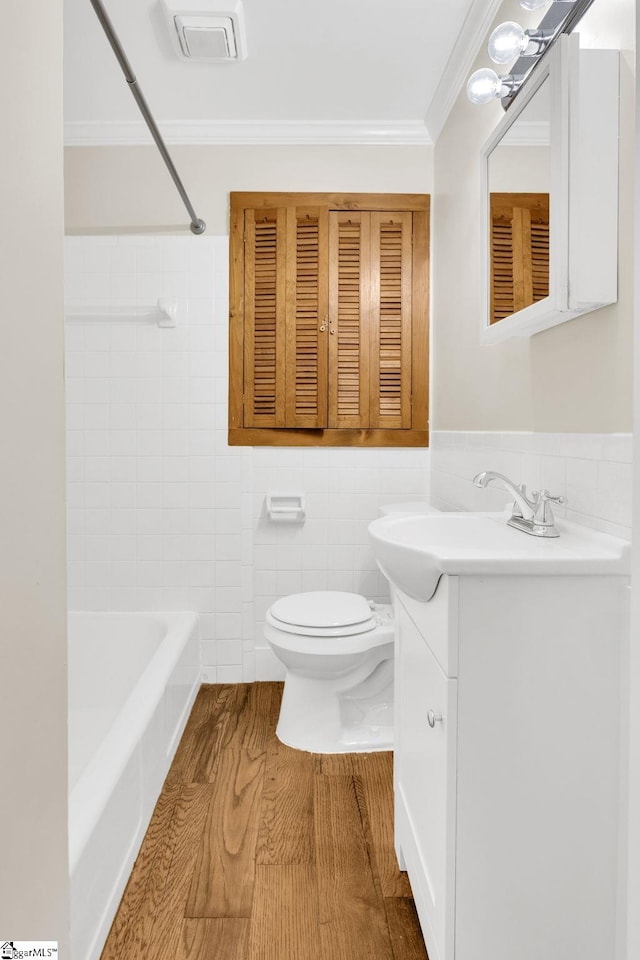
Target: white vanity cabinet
(507,764)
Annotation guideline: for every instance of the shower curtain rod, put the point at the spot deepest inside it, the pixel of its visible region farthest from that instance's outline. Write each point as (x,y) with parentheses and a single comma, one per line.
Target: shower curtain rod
(197,226)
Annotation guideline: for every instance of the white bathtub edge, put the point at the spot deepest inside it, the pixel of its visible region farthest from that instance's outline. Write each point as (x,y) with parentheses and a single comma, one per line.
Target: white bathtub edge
(84,813)
(129,767)
(104,925)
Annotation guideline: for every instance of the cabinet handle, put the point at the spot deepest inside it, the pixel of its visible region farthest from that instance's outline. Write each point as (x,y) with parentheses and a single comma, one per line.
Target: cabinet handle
(433,718)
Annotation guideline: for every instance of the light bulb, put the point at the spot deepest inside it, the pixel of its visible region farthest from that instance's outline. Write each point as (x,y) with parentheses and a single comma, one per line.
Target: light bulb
(484,85)
(507,42)
(533,4)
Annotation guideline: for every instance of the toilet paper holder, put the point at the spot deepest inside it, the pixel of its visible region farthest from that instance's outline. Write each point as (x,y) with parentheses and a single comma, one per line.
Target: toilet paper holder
(285,507)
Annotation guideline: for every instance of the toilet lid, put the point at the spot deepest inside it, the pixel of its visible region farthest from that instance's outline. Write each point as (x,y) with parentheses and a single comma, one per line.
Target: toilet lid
(322,609)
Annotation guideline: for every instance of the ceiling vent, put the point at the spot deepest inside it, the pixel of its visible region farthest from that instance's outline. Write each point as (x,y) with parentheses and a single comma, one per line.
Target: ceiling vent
(201,31)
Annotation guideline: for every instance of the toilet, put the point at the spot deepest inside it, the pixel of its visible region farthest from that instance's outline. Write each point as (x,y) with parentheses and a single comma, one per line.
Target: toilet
(338,652)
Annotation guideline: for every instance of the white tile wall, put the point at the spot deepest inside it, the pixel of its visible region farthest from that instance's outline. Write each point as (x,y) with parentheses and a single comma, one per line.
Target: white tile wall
(330,550)
(162,513)
(155,493)
(592,471)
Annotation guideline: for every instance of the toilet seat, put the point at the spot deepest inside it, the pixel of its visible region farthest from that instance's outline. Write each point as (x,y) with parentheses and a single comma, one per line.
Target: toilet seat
(322,613)
(327,645)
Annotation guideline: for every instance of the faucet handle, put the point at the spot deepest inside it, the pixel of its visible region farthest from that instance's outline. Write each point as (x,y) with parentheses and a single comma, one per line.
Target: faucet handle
(544,513)
(546,496)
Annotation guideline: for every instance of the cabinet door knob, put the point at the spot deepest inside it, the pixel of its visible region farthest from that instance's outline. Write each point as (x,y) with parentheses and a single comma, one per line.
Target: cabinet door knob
(433,718)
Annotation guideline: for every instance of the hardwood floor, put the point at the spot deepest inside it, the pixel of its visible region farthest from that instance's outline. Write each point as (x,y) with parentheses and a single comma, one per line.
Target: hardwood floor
(259,852)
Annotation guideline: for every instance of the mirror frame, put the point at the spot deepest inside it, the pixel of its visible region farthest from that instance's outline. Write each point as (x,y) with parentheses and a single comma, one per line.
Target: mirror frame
(583,228)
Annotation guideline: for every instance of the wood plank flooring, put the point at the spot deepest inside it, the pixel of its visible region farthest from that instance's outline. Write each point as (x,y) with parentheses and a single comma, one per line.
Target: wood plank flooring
(259,852)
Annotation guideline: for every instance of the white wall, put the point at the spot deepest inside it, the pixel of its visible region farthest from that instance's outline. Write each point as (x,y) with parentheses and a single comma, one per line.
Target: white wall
(516,169)
(33,651)
(633,796)
(163,514)
(122,188)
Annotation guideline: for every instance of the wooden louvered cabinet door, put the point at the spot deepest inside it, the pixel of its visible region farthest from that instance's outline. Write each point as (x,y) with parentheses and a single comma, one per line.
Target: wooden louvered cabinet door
(370,281)
(265,297)
(519,252)
(390,324)
(285,350)
(306,318)
(349,318)
(328,334)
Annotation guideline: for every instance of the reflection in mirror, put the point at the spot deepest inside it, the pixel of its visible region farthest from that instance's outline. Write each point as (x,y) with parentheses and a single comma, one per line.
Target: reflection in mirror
(556,146)
(519,252)
(519,179)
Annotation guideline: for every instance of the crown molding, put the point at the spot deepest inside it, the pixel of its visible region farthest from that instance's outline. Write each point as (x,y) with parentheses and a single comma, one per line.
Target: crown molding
(133,133)
(473,33)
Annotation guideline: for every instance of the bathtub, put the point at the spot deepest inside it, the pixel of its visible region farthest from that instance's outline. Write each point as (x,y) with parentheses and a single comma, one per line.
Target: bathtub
(133,678)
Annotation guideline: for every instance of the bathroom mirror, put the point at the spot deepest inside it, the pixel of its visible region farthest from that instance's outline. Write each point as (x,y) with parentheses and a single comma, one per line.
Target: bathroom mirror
(550,196)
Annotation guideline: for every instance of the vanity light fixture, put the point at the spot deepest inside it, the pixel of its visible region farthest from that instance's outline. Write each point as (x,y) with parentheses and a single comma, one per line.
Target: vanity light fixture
(510,41)
(485,85)
(533,4)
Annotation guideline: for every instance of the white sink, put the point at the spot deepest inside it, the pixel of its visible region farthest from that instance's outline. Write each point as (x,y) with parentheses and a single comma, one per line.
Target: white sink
(414,551)
(414,507)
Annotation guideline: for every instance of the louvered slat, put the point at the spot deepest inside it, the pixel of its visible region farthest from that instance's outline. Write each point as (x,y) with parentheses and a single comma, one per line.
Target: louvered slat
(264,312)
(306,374)
(349,310)
(501,270)
(540,259)
(390,329)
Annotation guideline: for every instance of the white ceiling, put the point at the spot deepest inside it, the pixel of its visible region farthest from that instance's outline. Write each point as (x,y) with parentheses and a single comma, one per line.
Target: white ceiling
(353,70)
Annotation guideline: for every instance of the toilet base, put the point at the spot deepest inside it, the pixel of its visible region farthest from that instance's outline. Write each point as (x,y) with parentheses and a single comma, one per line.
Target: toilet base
(354,716)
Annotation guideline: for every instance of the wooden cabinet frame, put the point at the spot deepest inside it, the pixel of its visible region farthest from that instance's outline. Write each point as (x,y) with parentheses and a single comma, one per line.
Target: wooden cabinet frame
(416,434)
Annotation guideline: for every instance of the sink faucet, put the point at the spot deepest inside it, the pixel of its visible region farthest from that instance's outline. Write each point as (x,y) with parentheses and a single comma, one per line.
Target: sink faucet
(531,515)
